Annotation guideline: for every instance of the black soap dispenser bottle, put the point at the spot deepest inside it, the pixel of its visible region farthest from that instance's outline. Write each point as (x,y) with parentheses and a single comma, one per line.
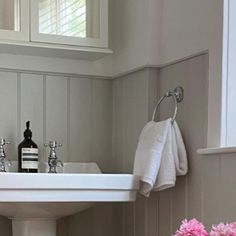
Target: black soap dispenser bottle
(28,153)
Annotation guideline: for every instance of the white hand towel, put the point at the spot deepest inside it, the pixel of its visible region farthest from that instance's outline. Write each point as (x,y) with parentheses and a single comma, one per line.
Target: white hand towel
(160,156)
(181,163)
(167,173)
(149,153)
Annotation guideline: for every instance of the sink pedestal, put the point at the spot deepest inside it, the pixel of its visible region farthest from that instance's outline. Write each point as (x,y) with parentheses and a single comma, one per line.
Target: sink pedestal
(34,227)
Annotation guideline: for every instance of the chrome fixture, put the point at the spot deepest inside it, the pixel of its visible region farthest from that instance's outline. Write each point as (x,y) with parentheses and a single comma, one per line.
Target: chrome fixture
(177,94)
(3,158)
(53,161)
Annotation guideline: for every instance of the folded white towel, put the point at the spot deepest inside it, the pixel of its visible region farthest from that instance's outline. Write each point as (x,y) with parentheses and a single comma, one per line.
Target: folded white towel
(160,156)
(149,153)
(181,163)
(167,172)
(174,160)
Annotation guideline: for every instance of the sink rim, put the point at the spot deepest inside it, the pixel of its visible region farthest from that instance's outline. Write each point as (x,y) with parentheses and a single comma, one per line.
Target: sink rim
(13,180)
(38,187)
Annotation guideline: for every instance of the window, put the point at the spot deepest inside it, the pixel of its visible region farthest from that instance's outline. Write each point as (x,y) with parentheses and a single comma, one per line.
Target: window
(229,75)
(63,17)
(64,22)
(14,19)
(71,22)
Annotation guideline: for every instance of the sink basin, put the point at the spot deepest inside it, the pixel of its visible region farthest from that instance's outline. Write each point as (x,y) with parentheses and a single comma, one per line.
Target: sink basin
(35,201)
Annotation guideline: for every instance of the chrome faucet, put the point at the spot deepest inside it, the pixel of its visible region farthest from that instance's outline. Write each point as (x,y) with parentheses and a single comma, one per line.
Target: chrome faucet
(3,158)
(53,161)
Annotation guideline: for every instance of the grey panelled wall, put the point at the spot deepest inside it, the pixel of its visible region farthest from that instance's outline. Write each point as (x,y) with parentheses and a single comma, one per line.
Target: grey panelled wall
(74,111)
(133,95)
(100,120)
(162,212)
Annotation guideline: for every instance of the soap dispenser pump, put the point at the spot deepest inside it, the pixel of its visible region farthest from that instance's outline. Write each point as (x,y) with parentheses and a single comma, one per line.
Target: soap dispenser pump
(28,153)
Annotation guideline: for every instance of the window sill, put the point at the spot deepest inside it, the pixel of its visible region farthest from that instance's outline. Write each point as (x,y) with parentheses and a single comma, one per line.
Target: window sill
(217,150)
(53,50)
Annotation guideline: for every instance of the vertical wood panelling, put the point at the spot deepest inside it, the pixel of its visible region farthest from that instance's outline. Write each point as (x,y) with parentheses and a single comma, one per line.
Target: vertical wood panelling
(153,90)
(80,119)
(8,117)
(76,112)
(178,201)
(129,99)
(227,193)
(56,113)
(192,76)
(32,97)
(101,124)
(102,225)
(141,209)
(211,190)
(95,221)
(128,219)
(135,103)
(194,128)
(117,219)
(5,226)
(117,125)
(152,214)
(163,213)
(89,116)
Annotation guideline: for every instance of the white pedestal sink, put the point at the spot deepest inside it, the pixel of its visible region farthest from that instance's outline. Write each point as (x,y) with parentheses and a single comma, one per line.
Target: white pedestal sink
(35,201)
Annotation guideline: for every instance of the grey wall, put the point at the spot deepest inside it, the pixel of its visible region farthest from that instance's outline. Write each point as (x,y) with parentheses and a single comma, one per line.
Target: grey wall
(101,121)
(208,191)
(134,97)
(73,111)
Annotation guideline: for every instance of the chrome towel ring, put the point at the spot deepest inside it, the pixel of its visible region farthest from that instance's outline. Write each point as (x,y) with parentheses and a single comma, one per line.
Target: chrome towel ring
(177,94)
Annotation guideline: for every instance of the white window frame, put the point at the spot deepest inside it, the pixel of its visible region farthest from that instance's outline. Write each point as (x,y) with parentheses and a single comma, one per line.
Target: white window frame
(23,33)
(228,126)
(101,42)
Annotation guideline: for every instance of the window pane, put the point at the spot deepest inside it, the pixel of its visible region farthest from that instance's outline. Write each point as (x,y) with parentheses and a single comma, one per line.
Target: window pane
(9,15)
(78,18)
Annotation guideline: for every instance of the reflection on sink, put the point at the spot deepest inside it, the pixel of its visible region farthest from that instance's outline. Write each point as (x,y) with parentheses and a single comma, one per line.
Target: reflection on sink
(34,201)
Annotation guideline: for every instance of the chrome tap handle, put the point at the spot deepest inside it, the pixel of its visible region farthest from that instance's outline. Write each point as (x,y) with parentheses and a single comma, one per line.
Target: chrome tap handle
(52,144)
(3,142)
(53,161)
(3,159)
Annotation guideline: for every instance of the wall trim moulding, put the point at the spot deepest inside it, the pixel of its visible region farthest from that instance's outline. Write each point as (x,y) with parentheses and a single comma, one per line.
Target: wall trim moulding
(158,66)
(48,73)
(84,74)
(216,150)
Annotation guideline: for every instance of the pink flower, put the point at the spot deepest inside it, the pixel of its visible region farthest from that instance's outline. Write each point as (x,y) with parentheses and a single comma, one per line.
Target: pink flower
(233,225)
(191,228)
(224,229)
